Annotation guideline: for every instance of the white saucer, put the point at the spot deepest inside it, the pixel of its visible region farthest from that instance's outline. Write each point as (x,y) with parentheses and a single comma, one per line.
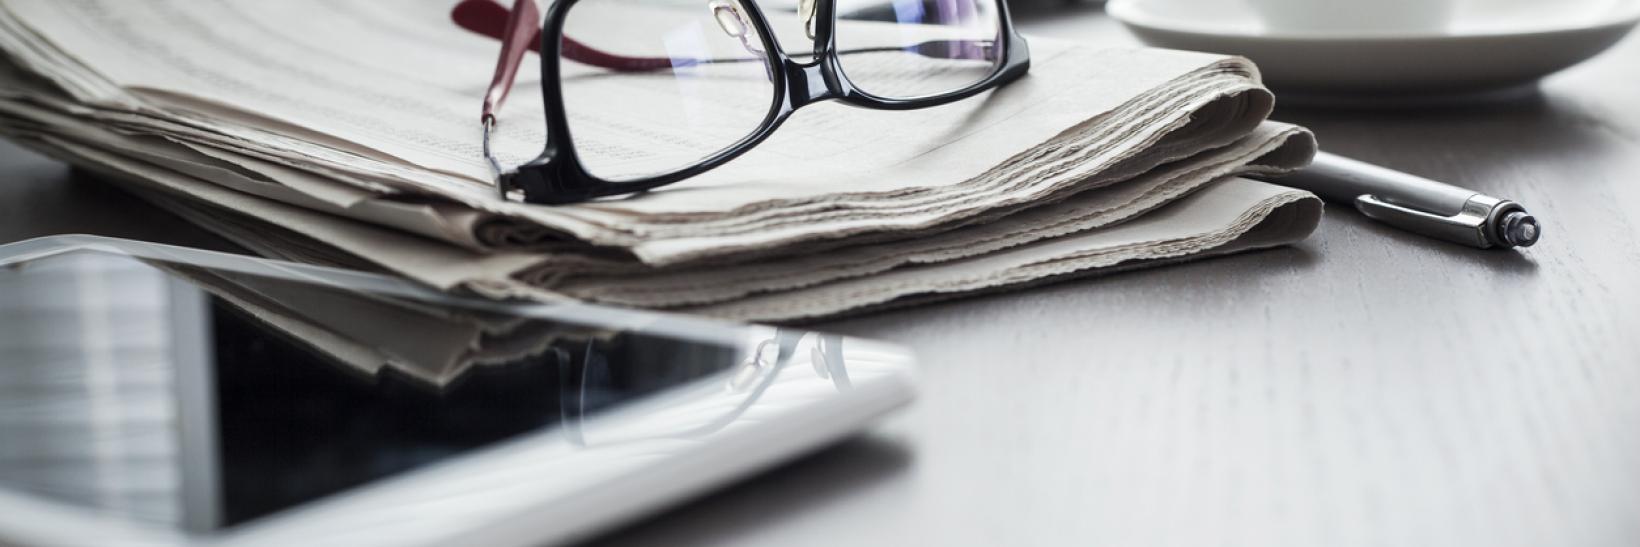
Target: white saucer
(1492,48)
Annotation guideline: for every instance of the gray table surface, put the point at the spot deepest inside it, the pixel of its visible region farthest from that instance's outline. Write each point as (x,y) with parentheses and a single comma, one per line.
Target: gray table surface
(1364,387)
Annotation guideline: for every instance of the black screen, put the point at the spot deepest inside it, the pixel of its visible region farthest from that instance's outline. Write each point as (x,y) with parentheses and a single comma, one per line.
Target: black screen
(202,400)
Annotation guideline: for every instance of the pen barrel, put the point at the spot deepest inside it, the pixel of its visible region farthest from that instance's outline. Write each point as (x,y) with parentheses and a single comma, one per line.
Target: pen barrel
(1342,180)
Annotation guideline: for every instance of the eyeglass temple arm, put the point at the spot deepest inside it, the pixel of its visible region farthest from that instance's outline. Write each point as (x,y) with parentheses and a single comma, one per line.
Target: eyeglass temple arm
(487,18)
(521,23)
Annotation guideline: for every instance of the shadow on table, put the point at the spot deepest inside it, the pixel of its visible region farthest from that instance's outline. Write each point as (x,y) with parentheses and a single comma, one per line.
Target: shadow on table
(769,498)
(1474,144)
(41,197)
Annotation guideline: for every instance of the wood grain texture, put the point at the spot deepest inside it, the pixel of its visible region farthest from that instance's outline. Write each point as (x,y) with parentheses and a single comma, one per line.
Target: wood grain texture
(1366,387)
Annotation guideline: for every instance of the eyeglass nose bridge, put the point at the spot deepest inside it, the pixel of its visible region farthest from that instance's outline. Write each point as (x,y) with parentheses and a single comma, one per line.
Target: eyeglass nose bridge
(812,82)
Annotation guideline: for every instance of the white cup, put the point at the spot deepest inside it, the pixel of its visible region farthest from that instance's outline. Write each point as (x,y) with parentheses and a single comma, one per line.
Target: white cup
(1354,15)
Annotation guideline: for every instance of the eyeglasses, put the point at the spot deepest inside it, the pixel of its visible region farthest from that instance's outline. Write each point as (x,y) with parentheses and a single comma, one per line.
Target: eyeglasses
(590,382)
(639,94)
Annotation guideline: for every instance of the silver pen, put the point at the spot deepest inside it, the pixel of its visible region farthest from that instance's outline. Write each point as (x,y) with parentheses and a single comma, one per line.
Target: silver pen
(1418,204)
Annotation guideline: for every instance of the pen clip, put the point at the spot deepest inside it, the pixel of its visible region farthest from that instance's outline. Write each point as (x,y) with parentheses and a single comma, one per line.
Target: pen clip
(1467,227)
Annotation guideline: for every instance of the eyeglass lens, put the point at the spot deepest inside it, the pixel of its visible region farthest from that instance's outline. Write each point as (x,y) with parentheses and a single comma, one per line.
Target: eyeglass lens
(909,49)
(655,86)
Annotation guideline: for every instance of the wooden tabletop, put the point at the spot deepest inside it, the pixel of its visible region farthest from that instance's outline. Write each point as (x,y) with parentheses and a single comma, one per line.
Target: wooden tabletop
(1364,387)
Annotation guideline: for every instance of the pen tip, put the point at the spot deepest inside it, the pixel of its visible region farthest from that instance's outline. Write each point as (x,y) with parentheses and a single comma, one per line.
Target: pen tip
(1520,229)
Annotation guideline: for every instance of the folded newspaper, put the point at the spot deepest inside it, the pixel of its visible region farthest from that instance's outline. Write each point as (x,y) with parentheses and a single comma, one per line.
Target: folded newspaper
(344,132)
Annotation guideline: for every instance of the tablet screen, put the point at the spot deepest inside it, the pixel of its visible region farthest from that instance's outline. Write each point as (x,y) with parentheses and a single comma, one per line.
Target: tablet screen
(202,399)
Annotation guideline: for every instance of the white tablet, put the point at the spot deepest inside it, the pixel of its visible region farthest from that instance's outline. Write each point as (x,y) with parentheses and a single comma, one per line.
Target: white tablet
(159,395)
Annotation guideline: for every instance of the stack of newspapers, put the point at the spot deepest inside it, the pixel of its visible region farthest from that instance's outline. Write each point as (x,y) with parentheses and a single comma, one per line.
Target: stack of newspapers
(345,132)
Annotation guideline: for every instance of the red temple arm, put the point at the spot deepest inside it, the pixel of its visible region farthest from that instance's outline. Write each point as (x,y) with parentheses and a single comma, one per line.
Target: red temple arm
(514,33)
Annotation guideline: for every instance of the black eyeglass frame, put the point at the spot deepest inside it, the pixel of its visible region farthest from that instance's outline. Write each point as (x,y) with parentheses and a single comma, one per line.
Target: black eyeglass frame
(557,176)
